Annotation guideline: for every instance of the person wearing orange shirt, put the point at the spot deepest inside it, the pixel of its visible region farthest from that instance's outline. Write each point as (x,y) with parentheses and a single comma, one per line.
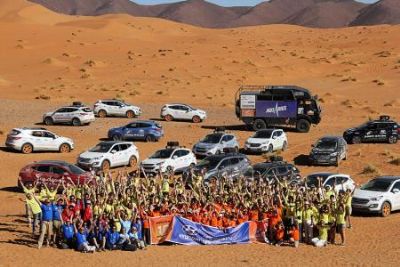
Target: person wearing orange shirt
(294,234)
(280,234)
(214,219)
(205,219)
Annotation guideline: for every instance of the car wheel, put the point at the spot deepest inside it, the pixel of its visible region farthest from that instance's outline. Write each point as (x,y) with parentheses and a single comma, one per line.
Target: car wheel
(48,121)
(105,166)
(65,148)
(76,122)
(130,114)
(102,113)
(149,138)
(303,126)
(392,140)
(259,124)
(270,149)
(117,137)
(386,209)
(133,161)
(284,146)
(356,140)
(168,117)
(196,119)
(27,148)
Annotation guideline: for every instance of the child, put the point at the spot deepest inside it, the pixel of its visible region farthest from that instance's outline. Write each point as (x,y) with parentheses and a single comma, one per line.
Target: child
(294,235)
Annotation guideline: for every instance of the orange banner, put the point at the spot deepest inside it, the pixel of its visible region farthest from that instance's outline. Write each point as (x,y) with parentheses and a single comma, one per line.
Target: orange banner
(159,228)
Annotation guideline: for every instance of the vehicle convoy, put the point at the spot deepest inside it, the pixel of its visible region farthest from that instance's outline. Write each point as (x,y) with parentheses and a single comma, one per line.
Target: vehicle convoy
(76,115)
(229,163)
(267,140)
(260,107)
(170,112)
(104,108)
(337,181)
(148,131)
(28,140)
(382,130)
(109,154)
(173,158)
(328,150)
(380,195)
(274,169)
(215,143)
(53,169)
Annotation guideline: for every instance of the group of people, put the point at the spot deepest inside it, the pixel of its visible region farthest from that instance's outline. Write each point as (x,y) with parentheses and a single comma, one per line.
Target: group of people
(112,212)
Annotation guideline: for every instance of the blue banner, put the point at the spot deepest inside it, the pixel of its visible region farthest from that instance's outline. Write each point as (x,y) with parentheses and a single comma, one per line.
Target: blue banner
(186,232)
(276,109)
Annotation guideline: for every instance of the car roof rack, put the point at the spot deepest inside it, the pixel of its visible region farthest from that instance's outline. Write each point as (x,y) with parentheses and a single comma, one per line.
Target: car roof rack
(384,118)
(220,129)
(172,144)
(229,150)
(275,158)
(77,104)
(34,128)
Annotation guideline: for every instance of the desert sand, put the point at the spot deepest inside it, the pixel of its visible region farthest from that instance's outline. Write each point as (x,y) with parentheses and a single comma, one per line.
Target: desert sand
(48,60)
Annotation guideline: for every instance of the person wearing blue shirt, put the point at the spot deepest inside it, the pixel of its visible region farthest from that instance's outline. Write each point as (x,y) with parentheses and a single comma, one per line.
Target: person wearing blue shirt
(125,223)
(81,240)
(47,222)
(139,227)
(57,220)
(67,230)
(112,237)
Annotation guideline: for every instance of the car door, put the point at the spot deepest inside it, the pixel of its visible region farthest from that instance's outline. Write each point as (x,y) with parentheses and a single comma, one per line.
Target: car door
(396,195)
(107,106)
(120,108)
(235,167)
(130,131)
(60,114)
(124,154)
(178,159)
(186,112)
(276,140)
(227,141)
(57,172)
(382,132)
(371,132)
(224,167)
(115,155)
(42,171)
(69,114)
(49,140)
(37,140)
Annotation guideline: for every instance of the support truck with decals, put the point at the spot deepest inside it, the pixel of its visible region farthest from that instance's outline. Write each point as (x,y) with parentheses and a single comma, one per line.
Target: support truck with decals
(262,106)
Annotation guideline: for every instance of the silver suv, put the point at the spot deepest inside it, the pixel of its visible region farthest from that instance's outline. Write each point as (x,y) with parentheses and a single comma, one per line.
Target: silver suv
(215,143)
(104,108)
(77,115)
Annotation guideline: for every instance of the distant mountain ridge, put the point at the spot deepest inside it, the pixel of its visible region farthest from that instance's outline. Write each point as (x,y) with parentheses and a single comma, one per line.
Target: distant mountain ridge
(310,13)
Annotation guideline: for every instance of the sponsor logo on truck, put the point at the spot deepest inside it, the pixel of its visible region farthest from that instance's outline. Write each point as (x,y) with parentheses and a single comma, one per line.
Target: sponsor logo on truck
(276,109)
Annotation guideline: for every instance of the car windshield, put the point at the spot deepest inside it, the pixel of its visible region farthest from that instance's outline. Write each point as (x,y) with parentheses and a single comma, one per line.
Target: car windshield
(263,134)
(312,180)
(380,185)
(326,144)
(101,148)
(75,170)
(209,163)
(162,154)
(212,138)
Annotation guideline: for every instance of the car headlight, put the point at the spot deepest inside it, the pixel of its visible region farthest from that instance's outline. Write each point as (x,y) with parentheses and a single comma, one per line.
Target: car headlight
(96,158)
(376,198)
(334,154)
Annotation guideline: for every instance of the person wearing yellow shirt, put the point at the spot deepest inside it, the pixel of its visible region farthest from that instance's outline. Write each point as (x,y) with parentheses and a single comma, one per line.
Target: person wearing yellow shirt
(34,205)
(341,222)
(28,189)
(308,216)
(348,198)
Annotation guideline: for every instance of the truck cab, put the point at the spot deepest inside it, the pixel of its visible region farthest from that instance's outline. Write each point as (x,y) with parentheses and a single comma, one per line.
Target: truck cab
(262,106)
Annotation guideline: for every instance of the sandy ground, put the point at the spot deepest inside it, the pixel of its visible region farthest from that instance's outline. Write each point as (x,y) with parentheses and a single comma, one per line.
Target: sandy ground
(150,62)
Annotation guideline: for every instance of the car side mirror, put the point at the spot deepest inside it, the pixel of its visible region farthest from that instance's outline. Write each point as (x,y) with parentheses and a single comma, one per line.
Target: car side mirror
(175,157)
(113,151)
(396,191)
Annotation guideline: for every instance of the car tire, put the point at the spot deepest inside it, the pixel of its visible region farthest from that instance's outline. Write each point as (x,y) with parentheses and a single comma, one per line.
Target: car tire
(76,122)
(392,140)
(149,138)
(27,148)
(386,209)
(102,113)
(117,137)
(64,148)
(259,124)
(130,114)
(303,126)
(270,149)
(105,165)
(196,119)
(284,146)
(133,162)
(168,118)
(356,140)
(48,121)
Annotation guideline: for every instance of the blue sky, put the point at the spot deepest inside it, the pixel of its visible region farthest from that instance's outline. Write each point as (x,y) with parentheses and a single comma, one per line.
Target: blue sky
(222,2)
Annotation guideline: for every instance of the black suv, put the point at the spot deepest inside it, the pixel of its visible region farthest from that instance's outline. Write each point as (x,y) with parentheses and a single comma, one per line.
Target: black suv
(274,169)
(381,130)
(328,150)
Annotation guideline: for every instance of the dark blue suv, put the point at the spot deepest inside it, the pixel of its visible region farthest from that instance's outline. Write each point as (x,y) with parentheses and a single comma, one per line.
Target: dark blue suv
(148,131)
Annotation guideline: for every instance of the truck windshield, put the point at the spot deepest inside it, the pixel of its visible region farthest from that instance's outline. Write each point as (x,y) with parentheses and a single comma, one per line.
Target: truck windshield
(212,138)
(380,185)
(263,134)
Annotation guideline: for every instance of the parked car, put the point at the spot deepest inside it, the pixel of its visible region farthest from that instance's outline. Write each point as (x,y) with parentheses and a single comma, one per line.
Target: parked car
(109,154)
(215,143)
(382,130)
(104,108)
(173,158)
(138,130)
(77,115)
(28,140)
(272,170)
(233,164)
(53,169)
(328,150)
(337,181)
(170,112)
(268,140)
(380,195)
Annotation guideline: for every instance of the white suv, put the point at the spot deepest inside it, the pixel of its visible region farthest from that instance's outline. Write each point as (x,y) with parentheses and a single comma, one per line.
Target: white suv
(267,140)
(171,112)
(171,159)
(110,154)
(77,115)
(339,181)
(28,140)
(380,195)
(104,108)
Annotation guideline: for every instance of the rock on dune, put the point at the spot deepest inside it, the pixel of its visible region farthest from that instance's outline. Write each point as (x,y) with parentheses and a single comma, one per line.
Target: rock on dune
(382,12)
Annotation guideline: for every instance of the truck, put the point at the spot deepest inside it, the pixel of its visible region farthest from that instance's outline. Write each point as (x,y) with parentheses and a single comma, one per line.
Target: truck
(260,107)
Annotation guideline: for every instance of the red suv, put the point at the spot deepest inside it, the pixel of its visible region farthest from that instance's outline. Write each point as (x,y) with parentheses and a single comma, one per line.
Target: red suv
(54,169)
